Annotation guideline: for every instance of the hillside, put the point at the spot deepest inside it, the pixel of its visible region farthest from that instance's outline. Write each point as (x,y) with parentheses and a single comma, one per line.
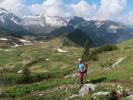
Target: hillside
(50,66)
(79,37)
(4,32)
(100,32)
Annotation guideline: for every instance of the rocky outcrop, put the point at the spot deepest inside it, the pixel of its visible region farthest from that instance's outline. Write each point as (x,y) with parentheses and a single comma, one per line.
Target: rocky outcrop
(102,93)
(87,88)
(118,62)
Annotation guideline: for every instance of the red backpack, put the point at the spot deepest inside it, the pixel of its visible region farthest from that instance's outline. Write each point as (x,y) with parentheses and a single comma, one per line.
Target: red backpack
(86,68)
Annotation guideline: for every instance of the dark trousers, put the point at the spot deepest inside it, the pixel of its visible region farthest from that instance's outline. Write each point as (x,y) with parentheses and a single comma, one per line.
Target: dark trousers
(81,76)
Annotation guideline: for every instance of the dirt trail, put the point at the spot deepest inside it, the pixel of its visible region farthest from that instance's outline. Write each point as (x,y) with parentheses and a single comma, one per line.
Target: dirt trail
(62,87)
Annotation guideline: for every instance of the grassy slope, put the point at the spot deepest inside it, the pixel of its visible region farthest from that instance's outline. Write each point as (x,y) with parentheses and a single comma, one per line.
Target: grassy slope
(39,52)
(15,59)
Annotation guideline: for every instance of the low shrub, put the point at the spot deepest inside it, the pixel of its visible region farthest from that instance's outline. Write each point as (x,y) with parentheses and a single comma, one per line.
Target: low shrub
(106,63)
(26,75)
(11,79)
(104,48)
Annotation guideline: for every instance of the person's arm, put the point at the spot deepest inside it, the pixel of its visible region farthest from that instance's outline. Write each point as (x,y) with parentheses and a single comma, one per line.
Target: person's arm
(78,70)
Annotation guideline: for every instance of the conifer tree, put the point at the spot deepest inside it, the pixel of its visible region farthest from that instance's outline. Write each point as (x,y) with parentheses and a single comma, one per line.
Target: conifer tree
(86,51)
(26,75)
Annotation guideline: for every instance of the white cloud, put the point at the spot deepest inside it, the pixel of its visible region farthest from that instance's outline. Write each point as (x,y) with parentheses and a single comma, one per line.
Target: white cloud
(130,17)
(110,9)
(83,9)
(14,6)
(107,10)
(53,7)
(50,7)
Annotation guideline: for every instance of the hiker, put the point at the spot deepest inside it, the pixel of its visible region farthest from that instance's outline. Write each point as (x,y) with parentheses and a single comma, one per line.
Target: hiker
(82,68)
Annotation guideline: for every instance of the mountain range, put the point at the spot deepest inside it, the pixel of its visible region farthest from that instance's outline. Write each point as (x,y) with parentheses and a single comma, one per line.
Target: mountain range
(100,32)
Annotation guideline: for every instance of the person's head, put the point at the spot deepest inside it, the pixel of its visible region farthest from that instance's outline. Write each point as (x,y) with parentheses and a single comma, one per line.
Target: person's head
(80,60)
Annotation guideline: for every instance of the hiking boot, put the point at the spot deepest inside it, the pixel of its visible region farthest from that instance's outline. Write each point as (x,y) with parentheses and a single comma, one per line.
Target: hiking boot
(81,85)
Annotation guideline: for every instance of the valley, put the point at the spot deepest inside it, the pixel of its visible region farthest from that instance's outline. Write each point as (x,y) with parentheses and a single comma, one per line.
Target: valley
(39,57)
(45,60)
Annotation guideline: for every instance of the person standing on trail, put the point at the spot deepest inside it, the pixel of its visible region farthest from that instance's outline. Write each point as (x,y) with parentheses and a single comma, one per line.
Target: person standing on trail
(82,68)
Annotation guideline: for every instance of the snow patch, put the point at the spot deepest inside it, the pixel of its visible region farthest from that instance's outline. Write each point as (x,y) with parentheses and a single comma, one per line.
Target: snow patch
(15,45)
(14,21)
(99,24)
(55,21)
(43,20)
(3,39)
(32,20)
(20,72)
(61,51)
(26,42)
(2,19)
(113,27)
(47,59)
(41,42)
(69,18)
(7,50)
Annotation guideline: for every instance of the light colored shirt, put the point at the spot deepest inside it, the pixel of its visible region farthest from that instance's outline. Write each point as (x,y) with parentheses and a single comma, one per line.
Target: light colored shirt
(81,67)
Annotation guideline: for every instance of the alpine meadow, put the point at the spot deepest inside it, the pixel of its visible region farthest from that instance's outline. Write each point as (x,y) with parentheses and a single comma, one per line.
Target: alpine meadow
(66,50)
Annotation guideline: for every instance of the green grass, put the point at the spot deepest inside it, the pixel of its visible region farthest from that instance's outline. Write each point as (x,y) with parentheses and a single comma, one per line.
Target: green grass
(20,90)
(53,71)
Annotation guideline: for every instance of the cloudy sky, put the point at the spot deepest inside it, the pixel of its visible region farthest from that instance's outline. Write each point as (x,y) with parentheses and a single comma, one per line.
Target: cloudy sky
(120,10)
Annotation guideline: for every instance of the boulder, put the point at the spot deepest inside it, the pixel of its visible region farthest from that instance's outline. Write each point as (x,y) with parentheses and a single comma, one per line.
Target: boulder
(83,91)
(86,89)
(130,97)
(102,93)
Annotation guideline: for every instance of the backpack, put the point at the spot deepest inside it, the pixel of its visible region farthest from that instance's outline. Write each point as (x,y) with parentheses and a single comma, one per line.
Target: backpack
(86,68)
